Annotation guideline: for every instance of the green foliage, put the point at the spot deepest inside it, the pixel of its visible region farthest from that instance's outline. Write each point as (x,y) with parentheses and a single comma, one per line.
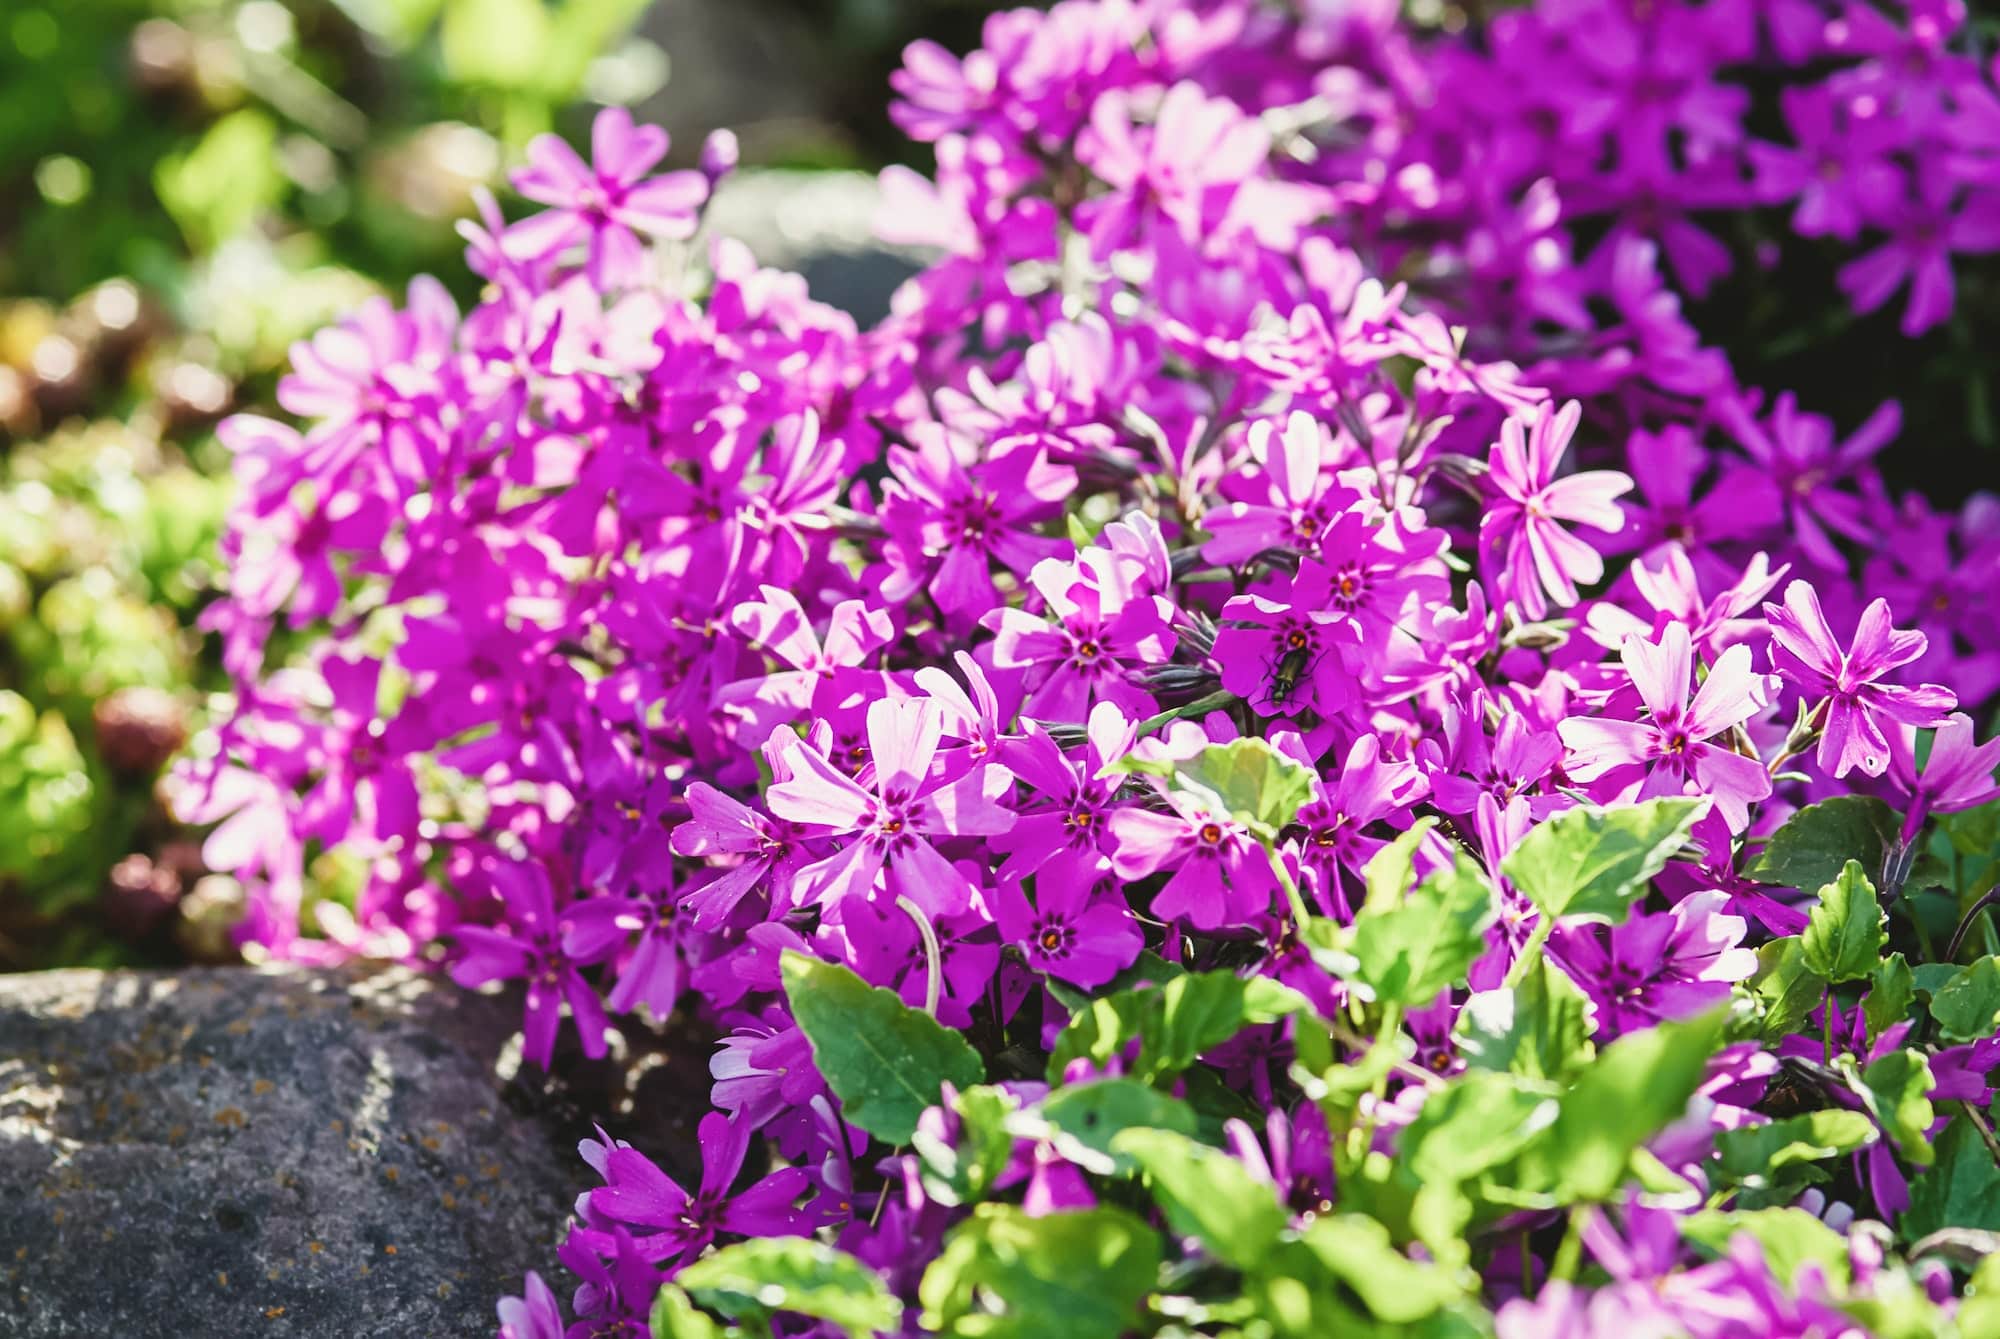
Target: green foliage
(1062,1276)
(1208,1195)
(1845,938)
(1592,864)
(1967,1007)
(885,1061)
(1755,1155)
(1406,951)
(1539,1027)
(1960,1189)
(1248,779)
(1173,1023)
(753,1278)
(45,790)
(1815,844)
(1895,1089)
(1789,1239)
(1785,989)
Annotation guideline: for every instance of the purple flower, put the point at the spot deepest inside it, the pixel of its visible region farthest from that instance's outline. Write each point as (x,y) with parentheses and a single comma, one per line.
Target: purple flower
(1846,683)
(678,1225)
(1221,875)
(1656,967)
(1522,543)
(1956,775)
(1102,632)
(535,951)
(606,201)
(1071,931)
(534,1315)
(1671,748)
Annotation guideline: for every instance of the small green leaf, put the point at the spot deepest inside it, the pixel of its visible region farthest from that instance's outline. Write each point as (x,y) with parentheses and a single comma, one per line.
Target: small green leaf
(1789,1239)
(1961,1189)
(676,1317)
(1358,1253)
(962,1169)
(1207,1194)
(1592,864)
(1967,1007)
(1389,871)
(1408,951)
(1256,784)
(753,1278)
(1094,1114)
(1637,1085)
(1174,1022)
(1752,1154)
(1979,1309)
(885,1061)
(1891,991)
(1896,1091)
(1816,843)
(1845,938)
(1060,1276)
(1538,1028)
(1475,1123)
(1784,987)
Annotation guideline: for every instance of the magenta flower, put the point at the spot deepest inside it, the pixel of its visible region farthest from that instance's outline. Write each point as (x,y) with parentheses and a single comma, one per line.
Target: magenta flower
(1287,502)
(1221,875)
(1099,637)
(1669,753)
(1071,931)
(534,1315)
(534,951)
(1957,774)
(1855,704)
(681,1225)
(606,201)
(1523,546)
(1656,967)
(892,824)
(1336,845)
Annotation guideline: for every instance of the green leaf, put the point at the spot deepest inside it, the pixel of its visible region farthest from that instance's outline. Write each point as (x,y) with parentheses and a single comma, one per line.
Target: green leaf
(1592,864)
(1786,990)
(1390,870)
(1410,950)
(1060,1276)
(1092,1115)
(1979,1309)
(1207,1194)
(1961,1189)
(1967,1007)
(1891,990)
(1816,843)
(1250,780)
(1637,1085)
(676,1317)
(1149,968)
(797,1274)
(885,1061)
(1750,1156)
(1538,1028)
(500,43)
(1475,1123)
(1174,1022)
(1790,1239)
(1896,1091)
(962,1169)
(217,189)
(1847,934)
(1357,1252)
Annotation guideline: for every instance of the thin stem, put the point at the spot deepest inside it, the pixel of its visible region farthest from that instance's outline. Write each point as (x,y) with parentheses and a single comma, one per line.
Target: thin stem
(933,955)
(1570,1254)
(1220,699)
(1537,937)
(1980,1124)
(1826,1028)
(1965,924)
(1300,916)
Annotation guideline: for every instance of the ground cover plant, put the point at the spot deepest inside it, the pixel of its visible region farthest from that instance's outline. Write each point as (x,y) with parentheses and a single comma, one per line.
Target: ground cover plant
(1286,748)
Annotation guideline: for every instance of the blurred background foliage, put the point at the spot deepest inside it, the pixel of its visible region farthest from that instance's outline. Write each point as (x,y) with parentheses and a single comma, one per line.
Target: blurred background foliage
(186,187)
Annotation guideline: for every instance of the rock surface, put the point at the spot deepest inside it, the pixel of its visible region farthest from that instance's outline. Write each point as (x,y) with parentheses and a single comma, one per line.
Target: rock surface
(320,1155)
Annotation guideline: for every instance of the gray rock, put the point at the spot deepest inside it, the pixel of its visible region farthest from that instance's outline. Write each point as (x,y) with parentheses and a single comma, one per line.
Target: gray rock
(322,1155)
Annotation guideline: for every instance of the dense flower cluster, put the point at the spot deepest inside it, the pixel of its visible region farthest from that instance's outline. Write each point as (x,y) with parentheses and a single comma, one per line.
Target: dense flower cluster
(1299,377)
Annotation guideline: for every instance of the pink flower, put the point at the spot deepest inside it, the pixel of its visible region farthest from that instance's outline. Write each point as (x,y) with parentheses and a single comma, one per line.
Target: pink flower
(1521,527)
(606,201)
(1847,682)
(1671,747)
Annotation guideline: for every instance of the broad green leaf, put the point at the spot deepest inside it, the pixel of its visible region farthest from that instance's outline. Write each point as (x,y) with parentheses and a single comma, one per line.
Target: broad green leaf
(1967,1007)
(753,1278)
(1592,864)
(1788,1238)
(1207,1194)
(1816,843)
(963,1168)
(1475,1123)
(1261,787)
(1357,1253)
(1173,1022)
(1637,1085)
(1786,990)
(1538,1028)
(1845,939)
(1094,1114)
(885,1061)
(675,1316)
(1961,1189)
(1060,1276)
(1896,1090)
(1891,990)
(1752,1154)
(1407,952)
(1389,872)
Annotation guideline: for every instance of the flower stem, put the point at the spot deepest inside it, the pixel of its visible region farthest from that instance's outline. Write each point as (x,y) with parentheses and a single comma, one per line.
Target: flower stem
(1965,924)
(933,955)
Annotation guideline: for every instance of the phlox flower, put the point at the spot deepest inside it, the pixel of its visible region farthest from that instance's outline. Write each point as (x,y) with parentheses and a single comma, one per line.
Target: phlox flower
(1528,555)
(679,1225)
